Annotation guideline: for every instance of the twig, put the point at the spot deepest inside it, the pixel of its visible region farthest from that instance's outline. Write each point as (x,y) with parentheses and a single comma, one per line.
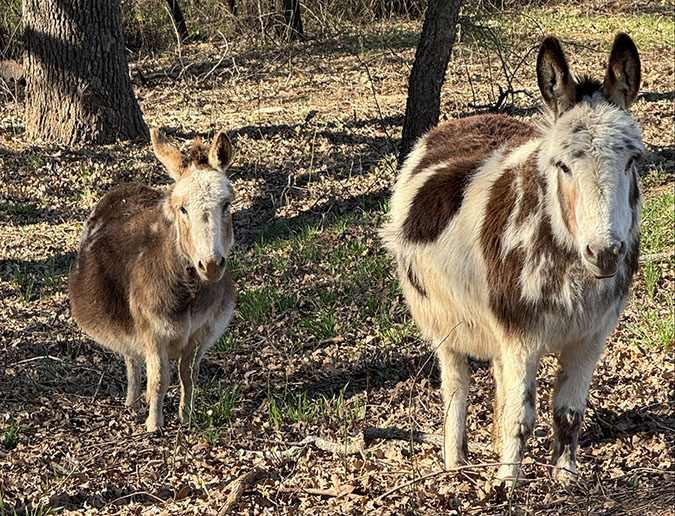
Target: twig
(98,386)
(333,493)
(296,449)
(414,481)
(135,494)
(238,486)
(656,257)
(32,359)
(227,49)
(377,104)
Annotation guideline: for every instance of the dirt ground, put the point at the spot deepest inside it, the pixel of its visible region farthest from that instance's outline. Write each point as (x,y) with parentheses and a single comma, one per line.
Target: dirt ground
(315,125)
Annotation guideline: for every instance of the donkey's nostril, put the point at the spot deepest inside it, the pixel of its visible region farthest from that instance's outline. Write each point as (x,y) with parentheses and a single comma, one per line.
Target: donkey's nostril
(589,252)
(222,262)
(201,266)
(622,247)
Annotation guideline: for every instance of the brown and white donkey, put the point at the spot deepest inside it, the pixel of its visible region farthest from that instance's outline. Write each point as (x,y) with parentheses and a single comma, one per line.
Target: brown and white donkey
(514,240)
(150,280)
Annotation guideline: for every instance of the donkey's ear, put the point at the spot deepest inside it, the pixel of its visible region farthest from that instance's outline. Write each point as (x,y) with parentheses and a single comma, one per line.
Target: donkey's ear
(622,80)
(168,154)
(556,84)
(220,153)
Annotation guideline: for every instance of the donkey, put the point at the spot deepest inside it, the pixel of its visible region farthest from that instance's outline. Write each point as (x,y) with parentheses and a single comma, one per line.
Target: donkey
(512,241)
(150,279)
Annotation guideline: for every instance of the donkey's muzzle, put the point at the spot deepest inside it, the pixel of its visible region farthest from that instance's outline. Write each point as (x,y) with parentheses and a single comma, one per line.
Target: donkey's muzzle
(212,269)
(604,261)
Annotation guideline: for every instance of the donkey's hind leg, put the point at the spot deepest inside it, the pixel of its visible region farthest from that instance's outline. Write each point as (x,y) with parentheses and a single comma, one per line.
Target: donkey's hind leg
(455,384)
(133,381)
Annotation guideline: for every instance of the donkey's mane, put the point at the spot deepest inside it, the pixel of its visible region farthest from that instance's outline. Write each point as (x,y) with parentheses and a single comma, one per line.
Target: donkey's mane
(586,87)
(198,153)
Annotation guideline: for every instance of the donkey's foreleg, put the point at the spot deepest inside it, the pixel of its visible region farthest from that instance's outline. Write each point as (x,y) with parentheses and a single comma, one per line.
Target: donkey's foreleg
(569,402)
(518,409)
(497,409)
(133,381)
(157,366)
(455,385)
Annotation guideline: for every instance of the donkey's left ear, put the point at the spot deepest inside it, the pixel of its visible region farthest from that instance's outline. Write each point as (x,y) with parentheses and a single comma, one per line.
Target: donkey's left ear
(557,86)
(622,80)
(220,153)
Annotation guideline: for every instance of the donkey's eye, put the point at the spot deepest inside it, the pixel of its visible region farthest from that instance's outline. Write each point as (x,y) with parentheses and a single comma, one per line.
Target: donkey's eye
(183,210)
(564,168)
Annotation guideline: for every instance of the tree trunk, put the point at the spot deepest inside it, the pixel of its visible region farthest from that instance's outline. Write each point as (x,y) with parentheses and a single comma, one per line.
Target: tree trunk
(292,19)
(178,19)
(423,106)
(78,88)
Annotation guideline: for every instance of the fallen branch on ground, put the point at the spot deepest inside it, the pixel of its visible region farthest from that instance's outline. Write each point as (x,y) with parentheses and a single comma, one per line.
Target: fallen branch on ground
(399,434)
(296,449)
(656,257)
(238,486)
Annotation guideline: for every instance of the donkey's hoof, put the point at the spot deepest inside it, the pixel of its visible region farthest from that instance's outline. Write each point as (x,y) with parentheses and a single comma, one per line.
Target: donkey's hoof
(455,462)
(154,425)
(185,414)
(510,474)
(566,475)
(133,404)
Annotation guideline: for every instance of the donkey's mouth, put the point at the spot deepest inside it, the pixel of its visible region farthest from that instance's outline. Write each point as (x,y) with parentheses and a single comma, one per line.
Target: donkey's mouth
(598,273)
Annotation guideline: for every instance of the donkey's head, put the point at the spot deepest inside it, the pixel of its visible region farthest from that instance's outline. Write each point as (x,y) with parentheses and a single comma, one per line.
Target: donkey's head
(200,201)
(592,151)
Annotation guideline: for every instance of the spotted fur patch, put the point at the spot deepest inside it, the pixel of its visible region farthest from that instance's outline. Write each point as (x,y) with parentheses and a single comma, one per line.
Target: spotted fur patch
(458,148)
(504,269)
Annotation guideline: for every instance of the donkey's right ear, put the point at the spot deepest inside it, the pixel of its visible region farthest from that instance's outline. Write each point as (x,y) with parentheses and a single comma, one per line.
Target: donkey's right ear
(622,80)
(168,154)
(553,75)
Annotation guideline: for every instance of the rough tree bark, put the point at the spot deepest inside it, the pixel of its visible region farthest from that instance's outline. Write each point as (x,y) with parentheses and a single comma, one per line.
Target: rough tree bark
(178,19)
(423,106)
(292,28)
(78,88)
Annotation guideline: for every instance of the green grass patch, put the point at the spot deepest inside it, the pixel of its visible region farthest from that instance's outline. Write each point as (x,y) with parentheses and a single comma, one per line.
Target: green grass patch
(323,325)
(10,435)
(212,408)
(658,221)
(257,305)
(24,209)
(228,343)
(649,31)
(336,410)
(23,281)
(655,327)
(654,306)
(41,509)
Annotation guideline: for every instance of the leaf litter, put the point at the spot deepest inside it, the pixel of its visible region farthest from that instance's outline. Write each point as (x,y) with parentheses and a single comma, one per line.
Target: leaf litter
(333,350)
